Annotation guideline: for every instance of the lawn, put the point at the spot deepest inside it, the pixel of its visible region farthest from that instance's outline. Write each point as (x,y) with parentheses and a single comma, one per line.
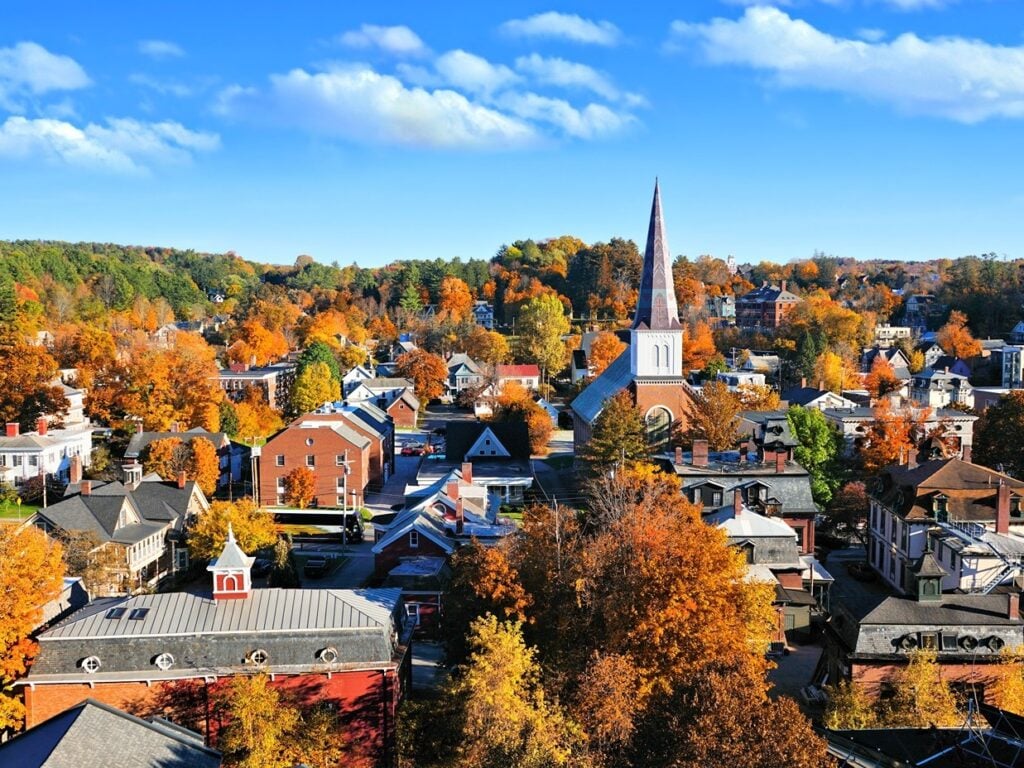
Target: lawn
(13,512)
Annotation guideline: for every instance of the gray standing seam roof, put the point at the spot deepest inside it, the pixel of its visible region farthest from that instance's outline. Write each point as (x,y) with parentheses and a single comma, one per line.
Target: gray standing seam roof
(265,610)
(616,377)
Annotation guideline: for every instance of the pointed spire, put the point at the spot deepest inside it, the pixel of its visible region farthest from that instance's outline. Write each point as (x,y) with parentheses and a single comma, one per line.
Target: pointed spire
(656,307)
(231,534)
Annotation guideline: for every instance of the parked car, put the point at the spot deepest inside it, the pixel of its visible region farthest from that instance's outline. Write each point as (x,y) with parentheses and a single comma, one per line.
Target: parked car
(412,449)
(315,568)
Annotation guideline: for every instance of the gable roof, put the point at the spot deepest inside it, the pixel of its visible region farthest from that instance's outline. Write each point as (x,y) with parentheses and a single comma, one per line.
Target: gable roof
(99,514)
(94,733)
(483,446)
(970,489)
(589,403)
(460,359)
(522,371)
(462,435)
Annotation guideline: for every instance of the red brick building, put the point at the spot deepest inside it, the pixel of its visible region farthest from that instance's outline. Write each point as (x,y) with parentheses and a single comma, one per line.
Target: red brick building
(396,397)
(335,451)
(146,653)
(764,308)
(651,369)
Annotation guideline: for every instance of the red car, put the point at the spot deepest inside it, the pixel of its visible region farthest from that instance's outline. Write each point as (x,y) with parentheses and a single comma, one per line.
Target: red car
(412,449)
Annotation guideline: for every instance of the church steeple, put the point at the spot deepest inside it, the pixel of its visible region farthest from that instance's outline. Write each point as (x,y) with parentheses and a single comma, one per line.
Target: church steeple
(656,308)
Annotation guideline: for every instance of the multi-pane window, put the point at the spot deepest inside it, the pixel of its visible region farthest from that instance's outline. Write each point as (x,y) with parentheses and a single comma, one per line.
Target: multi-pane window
(310,460)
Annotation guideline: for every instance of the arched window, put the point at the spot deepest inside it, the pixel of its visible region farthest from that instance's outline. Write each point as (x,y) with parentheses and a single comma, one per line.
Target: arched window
(659,428)
(657,356)
(666,359)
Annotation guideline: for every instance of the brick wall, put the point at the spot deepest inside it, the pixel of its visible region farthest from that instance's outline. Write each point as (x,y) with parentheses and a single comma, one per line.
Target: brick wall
(672,396)
(327,446)
(403,415)
(381,448)
(400,548)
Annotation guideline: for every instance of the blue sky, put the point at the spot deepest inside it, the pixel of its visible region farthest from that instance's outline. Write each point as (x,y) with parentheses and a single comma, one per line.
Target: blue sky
(371,132)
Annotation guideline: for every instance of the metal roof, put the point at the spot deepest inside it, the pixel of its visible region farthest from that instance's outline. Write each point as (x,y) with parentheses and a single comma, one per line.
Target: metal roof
(265,610)
(615,378)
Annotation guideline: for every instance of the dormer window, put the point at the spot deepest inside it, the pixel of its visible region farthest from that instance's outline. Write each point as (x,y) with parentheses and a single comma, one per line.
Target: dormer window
(941,508)
(1015,508)
(91,664)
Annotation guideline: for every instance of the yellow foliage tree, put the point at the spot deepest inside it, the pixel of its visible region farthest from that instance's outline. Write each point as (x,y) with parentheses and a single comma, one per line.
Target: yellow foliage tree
(203,464)
(256,419)
(758,397)
(834,372)
(260,724)
(1008,689)
(32,575)
(314,387)
(922,698)
(253,528)
(850,708)
(488,347)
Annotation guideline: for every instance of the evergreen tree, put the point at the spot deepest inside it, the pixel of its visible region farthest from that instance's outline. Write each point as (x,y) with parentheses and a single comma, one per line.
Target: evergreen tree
(8,308)
(319,352)
(619,434)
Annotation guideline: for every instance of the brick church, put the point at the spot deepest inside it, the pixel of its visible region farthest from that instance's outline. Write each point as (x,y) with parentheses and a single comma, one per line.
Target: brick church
(651,368)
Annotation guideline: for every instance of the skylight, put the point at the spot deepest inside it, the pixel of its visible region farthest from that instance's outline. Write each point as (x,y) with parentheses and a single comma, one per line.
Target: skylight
(138,614)
(116,613)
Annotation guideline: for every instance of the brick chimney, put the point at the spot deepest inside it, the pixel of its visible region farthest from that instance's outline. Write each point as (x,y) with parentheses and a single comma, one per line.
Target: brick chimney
(780,461)
(679,455)
(737,502)
(782,285)
(75,471)
(452,489)
(803,382)
(965,452)
(460,516)
(41,426)
(467,472)
(700,453)
(85,488)
(138,428)
(743,453)
(181,479)
(13,429)
(1003,508)
(1013,606)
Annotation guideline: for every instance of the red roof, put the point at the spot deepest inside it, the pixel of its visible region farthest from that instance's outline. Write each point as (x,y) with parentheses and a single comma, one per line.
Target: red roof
(521,371)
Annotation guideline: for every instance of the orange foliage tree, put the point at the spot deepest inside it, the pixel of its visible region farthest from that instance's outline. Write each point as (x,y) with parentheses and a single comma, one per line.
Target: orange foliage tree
(252,342)
(256,419)
(956,338)
(27,391)
(32,575)
(488,347)
(454,300)
(515,404)
(891,436)
(300,487)
(197,458)
(698,347)
(427,372)
(882,380)
(604,349)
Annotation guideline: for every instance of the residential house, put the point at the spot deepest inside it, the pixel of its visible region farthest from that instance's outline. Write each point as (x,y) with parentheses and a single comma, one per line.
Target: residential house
(970,517)
(394,396)
(498,452)
(764,308)
(354,377)
(954,364)
(92,733)
(1012,368)
(273,381)
(814,397)
(483,314)
(920,310)
(736,379)
(940,388)
(930,351)
(232,457)
(892,355)
(770,482)
(424,580)
(1017,334)
(347,649)
(44,452)
(770,547)
(526,375)
(144,520)
(854,424)
(579,367)
(886,335)
(762,363)
(721,309)
(463,373)
(337,453)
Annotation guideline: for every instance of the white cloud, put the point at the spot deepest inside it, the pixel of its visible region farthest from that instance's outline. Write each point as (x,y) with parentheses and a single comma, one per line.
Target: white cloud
(564,26)
(400,40)
(469,72)
(567,74)
(871,34)
(962,79)
(591,122)
(163,87)
(360,104)
(160,49)
(29,69)
(917,5)
(122,145)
